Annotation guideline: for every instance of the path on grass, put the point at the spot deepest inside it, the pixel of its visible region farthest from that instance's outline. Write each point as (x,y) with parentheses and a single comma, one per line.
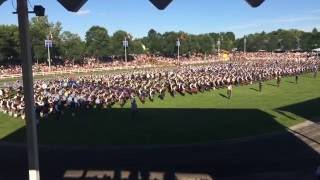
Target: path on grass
(288,154)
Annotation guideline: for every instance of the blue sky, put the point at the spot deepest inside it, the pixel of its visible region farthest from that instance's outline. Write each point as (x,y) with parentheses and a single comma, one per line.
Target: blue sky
(192,16)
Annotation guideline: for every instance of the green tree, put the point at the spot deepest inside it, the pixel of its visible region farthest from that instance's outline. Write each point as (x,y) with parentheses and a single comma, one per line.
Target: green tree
(97,42)
(9,44)
(40,30)
(137,46)
(170,48)
(205,43)
(116,41)
(73,47)
(154,42)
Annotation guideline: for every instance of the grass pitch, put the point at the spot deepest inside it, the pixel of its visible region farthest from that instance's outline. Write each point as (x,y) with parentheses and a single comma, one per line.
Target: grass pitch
(200,118)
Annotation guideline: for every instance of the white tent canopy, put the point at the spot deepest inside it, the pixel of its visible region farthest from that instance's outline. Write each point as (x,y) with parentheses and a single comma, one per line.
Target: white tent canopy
(316,50)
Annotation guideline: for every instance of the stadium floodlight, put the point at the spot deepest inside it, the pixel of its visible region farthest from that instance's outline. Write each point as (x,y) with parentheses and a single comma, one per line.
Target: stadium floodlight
(219,45)
(2,1)
(161,4)
(125,44)
(255,3)
(72,5)
(178,44)
(38,10)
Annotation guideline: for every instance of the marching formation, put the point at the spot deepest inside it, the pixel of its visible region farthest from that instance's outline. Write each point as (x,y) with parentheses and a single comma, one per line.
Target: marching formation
(76,93)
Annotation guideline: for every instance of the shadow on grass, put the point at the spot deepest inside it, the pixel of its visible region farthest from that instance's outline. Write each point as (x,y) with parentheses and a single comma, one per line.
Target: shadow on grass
(179,129)
(308,109)
(151,126)
(254,89)
(284,114)
(223,95)
(291,82)
(274,85)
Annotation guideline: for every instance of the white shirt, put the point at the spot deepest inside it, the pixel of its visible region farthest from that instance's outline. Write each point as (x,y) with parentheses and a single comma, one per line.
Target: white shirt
(97,101)
(44,86)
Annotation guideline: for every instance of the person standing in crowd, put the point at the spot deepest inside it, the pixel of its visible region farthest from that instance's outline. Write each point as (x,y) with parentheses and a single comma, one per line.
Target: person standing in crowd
(297,78)
(315,71)
(134,108)
(260,86)
(73,107)
(278,80)
(57,109)
(229,91)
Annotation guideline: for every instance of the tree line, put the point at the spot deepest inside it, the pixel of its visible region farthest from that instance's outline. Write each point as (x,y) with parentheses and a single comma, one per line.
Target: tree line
(99,44)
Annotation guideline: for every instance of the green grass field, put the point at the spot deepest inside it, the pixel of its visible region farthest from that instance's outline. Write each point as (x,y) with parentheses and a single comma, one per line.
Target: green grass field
(201,118)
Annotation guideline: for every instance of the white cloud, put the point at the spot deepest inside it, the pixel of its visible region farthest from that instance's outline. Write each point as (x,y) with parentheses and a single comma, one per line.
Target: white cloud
(83,12)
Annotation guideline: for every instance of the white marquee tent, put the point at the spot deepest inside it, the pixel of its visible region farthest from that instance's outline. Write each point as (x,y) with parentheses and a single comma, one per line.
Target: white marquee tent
(316,50)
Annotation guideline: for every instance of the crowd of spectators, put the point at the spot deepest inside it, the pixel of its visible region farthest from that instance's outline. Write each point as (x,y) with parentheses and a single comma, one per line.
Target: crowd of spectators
(93,63)
(145,61)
